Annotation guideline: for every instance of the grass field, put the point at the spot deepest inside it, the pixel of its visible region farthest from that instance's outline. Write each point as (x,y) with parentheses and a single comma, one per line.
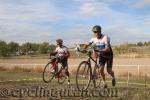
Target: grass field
(27,79)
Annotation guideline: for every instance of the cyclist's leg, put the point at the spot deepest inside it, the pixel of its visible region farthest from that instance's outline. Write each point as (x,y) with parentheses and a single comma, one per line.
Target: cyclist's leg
(109,69)
(109,65)
(66,67)
(102,62)
(53,69)
(67,72)
(65,64)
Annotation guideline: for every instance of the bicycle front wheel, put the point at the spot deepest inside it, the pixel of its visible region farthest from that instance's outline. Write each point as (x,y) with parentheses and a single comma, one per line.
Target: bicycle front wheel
(48,73)
(96,77)
(83,76)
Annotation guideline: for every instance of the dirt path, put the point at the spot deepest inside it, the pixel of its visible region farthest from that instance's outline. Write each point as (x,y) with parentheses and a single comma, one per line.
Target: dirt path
(122,61)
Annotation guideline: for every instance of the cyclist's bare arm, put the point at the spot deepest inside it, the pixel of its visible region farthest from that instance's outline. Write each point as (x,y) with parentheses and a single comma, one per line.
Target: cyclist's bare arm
(86,45)
(68,53)
(53,53)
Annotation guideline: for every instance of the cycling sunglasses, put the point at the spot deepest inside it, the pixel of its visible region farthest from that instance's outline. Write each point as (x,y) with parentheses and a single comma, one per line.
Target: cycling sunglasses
(95,31)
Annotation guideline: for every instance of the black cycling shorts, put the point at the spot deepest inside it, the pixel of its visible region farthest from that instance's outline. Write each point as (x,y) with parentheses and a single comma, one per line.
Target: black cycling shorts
(65,63)
(106,59)
(61,60)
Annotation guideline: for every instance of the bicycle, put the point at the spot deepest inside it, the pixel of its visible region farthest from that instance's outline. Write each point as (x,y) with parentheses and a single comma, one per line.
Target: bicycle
(85,73)
(54,68)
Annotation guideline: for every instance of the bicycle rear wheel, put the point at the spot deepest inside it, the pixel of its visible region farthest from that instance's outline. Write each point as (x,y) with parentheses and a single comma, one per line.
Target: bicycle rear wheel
(48,73)
(96,77)
(83,76)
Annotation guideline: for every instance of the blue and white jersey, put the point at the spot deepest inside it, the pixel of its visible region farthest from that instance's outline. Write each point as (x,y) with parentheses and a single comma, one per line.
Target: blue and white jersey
(100,43)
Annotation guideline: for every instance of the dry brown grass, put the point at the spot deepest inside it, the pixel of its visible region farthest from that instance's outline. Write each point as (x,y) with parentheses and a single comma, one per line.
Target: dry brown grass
(3,68)
(20,69)
(125,74)
(38,69)
(119,70)
(73,71)
(120,61)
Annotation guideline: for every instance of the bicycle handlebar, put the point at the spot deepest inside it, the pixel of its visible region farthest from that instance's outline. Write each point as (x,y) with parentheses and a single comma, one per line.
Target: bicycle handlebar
(88,51)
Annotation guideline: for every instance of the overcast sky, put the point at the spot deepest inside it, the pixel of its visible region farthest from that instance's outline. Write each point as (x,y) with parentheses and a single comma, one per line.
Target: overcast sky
(72,20)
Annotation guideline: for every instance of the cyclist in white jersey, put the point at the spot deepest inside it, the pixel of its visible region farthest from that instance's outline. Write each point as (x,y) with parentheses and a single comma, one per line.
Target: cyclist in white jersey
(63,55)
(102,43)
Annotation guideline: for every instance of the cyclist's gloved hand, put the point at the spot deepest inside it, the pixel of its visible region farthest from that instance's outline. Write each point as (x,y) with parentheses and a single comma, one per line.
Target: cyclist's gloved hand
(52,59)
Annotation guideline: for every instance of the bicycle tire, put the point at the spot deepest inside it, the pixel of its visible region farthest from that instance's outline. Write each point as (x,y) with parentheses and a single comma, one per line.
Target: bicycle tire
(50,76)
(80,70)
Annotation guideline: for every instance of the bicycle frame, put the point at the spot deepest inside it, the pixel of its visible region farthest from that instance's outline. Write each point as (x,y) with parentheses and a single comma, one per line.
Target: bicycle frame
(89,60)
(49,74)
(55,66)
(89,56)
(92,71)
(95,62)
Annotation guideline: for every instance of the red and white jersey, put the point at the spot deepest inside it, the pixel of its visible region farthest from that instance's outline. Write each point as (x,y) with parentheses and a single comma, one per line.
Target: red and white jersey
(61,51)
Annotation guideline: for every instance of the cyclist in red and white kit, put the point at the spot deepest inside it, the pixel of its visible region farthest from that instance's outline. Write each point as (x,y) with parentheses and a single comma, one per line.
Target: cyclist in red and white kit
(102,43)
(63,55)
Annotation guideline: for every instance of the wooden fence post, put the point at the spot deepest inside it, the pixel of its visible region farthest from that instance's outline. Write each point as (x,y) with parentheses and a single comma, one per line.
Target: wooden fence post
(138,70)
(128,77)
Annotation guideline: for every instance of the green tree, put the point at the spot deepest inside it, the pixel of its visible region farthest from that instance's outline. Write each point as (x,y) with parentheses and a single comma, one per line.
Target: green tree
(44,48)
(26,48)
(13,47)
(146,44)
(35,47)
(149,43)
(52,48)
(3,48)
(139,44)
